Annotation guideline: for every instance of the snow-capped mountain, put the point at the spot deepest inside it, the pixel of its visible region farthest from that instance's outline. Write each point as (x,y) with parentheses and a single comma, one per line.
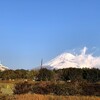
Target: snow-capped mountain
(81,60)
(3,68)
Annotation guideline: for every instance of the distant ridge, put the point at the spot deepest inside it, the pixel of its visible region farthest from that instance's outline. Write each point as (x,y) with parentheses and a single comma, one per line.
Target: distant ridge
(67,60)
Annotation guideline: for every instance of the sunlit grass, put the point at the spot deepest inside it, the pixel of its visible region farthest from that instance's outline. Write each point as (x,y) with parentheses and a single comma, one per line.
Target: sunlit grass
(6,88)
(51,97)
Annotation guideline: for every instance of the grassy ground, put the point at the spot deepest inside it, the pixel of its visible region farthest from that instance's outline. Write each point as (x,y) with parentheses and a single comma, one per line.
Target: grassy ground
(6,88)
(6,93)
(51,97)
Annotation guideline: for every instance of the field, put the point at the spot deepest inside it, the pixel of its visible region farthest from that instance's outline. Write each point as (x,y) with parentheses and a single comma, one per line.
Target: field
(6,88)
(48,97)
(6,93)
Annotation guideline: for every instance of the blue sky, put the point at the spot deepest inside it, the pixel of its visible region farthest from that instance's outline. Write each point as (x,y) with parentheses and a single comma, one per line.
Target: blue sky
(35,29)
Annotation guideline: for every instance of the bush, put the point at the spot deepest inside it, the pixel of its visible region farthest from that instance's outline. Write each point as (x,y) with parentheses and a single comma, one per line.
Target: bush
(91,89)
(73,88)
(64,89)
(22,88)
(57,89)
(46,88)
(41,88)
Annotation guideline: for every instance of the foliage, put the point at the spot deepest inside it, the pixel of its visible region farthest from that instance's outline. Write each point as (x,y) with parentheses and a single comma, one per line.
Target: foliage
(92,75)
(91,89)
(74,88)
(22,88)
(43,74)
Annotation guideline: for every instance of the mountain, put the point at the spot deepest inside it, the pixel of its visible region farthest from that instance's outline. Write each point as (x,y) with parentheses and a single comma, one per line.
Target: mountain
(3,68)
(67,60)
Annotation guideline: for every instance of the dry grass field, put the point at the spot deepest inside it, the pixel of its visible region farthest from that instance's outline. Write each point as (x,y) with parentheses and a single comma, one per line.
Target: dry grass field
(7,94)
(51,97)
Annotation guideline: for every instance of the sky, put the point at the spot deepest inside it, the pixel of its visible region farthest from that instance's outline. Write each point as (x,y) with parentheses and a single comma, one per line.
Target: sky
(31,30)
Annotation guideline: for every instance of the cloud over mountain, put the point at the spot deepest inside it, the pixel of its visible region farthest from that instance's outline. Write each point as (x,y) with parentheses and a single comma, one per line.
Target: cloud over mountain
(82,60)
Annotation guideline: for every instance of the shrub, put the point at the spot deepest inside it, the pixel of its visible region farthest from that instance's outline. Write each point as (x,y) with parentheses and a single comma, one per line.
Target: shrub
(57,89)
(63,89)
(41,88)
(22,88)
(73,88)
(91,89)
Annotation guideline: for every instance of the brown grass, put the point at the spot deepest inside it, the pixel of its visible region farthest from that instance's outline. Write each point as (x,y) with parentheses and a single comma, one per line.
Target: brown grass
(51,97)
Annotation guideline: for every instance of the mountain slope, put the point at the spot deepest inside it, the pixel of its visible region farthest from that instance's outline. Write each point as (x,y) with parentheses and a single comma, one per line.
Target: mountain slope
(2,68)
(81,60)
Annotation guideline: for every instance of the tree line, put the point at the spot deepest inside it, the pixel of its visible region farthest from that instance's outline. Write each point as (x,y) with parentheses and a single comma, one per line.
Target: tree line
(43,74)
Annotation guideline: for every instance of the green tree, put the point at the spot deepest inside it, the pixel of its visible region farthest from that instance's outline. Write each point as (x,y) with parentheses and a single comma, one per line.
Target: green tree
(31,74)
(8,74)
(45,75)
(21,73)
